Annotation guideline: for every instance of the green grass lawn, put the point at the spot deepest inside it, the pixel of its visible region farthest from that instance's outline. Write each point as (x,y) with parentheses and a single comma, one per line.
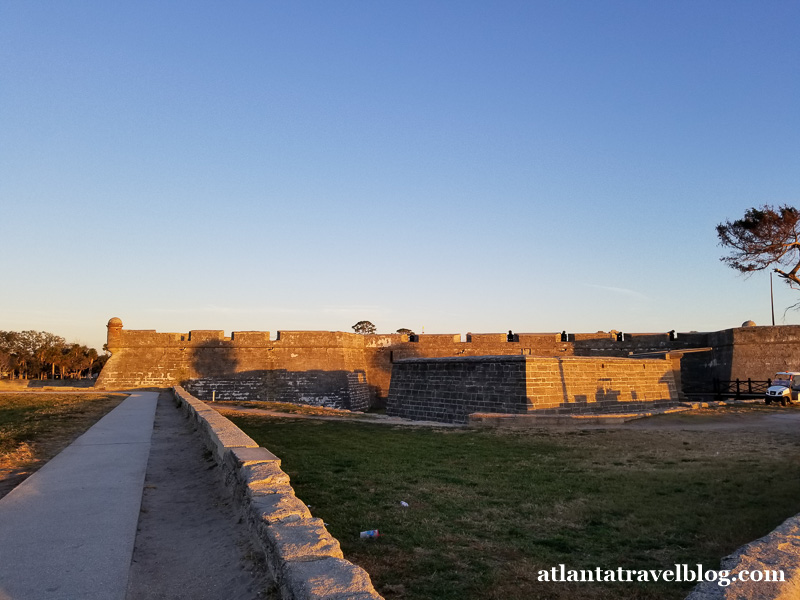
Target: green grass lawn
(36,426)
(489,509)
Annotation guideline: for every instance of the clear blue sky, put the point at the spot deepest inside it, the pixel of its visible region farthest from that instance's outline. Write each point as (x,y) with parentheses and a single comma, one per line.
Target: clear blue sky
(462,166)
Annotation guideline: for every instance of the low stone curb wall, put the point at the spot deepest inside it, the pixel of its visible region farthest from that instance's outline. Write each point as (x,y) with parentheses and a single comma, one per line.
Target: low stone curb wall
(500,420)
(304,558)
(778,550)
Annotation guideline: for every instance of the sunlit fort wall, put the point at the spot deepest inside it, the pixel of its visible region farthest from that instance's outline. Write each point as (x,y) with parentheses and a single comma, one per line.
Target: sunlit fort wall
(451,389)
(352,371)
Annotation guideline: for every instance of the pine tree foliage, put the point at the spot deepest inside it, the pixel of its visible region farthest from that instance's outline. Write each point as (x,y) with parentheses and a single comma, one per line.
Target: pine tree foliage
(766,237)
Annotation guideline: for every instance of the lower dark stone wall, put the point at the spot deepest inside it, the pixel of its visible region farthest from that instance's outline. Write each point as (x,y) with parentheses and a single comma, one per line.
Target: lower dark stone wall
(333,389)
(450,389)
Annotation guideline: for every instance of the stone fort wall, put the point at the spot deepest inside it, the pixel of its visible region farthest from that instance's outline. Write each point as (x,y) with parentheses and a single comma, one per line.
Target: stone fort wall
(322,368)
(755,352)
(344,369)
(450,389)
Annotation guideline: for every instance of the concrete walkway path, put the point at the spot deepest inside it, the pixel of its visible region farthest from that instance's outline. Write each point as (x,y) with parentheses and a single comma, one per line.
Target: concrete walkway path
(68,531)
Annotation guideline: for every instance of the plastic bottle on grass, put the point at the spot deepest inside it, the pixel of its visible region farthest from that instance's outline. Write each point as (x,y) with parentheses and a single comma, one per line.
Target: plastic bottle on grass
(370,534)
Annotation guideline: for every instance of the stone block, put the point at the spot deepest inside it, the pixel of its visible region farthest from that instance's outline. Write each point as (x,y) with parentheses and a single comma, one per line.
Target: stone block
(236,458)
(326,579)
(779,550)
(280,506)
(223,434)
(201,415)
(301,541)
(262,478)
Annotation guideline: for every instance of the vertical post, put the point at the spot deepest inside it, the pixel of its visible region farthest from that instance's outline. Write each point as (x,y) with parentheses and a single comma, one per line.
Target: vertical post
(749,386)
(771,298)
(737,387)
(213,395)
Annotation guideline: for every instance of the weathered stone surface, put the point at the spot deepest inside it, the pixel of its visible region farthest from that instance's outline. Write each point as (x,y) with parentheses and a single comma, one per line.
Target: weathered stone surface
(450,389)
(282,505)
(318,368)
(262,478)
(339,369)
(779,550)
(326,579)
(240,457)
(333,387)
(223,434)
(302,540)
(200,415)
(325,367)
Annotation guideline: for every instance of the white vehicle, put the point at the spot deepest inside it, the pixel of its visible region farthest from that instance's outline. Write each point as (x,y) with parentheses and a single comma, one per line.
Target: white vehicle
(784,388)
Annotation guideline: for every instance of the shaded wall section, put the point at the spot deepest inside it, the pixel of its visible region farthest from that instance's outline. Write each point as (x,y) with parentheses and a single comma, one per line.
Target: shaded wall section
(743,353)
(333,389)
(450,389)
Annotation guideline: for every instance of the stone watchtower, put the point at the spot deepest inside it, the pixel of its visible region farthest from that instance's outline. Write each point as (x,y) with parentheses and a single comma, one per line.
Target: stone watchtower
(114,339)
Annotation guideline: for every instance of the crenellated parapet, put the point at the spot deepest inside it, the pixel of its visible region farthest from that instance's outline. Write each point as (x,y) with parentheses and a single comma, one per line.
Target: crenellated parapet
(142,338)
(304,364)
(314,367)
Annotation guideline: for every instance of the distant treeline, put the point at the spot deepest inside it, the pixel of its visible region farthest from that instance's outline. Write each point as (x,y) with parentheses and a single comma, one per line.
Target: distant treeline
(39,354)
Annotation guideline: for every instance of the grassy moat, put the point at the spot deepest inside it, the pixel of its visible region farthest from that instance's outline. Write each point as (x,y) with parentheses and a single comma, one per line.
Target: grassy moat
(489,509)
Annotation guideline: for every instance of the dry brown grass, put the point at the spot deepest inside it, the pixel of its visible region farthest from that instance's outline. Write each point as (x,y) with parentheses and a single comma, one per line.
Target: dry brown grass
(34,427)
(288,408)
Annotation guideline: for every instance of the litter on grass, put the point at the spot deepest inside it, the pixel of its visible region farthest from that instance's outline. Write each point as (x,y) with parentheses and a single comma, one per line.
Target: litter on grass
(370,534)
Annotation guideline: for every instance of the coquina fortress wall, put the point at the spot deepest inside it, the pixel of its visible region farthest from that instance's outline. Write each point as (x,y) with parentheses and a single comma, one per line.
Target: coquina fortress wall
(451,389)
(348,370)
